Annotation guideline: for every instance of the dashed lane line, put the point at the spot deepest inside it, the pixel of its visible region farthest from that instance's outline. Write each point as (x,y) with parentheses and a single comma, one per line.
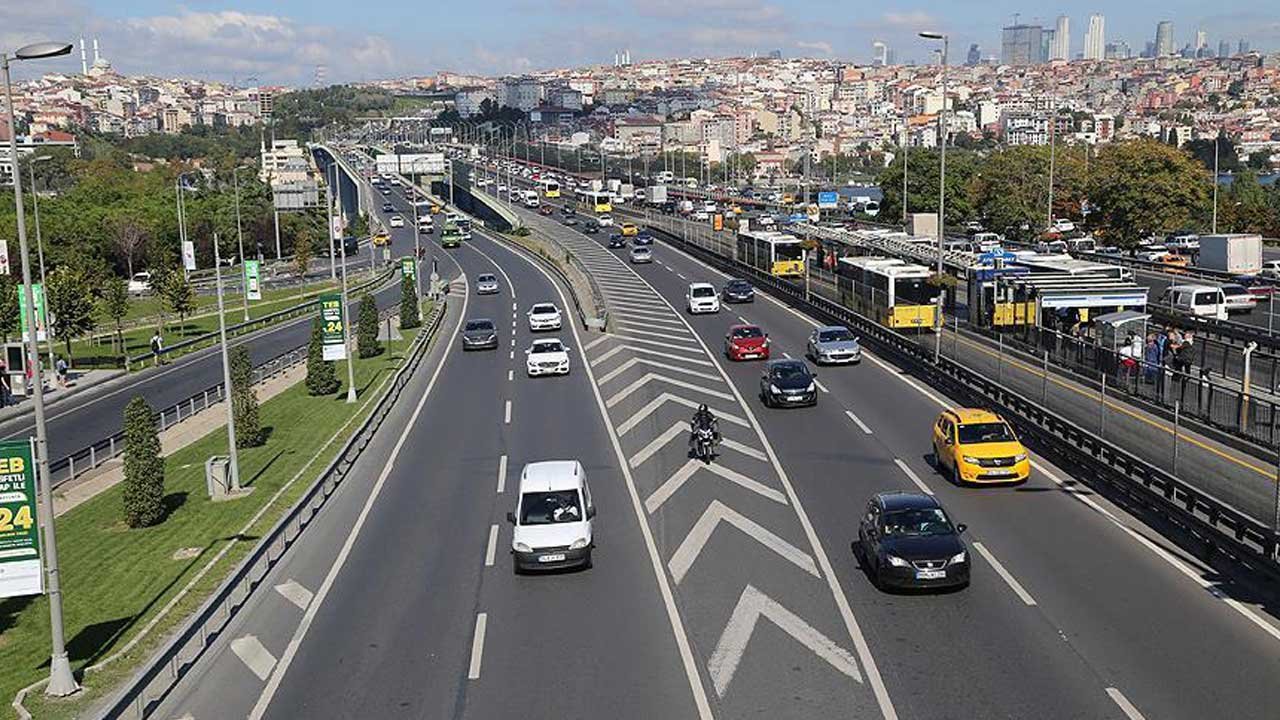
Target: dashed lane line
(1123,703)
(858,421)
(906,469)
(491,548)
(506,413)
(477,646)
(502,474)
(1005,575)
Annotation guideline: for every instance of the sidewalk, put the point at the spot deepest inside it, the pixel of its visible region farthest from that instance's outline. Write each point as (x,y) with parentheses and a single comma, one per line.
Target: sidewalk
(174,438)
(80,381)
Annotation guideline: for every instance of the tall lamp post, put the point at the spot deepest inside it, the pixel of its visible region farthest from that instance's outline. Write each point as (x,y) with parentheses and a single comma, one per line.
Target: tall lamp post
(61,680)
(1213,230)
(35,207)
(942,185)
(235,182)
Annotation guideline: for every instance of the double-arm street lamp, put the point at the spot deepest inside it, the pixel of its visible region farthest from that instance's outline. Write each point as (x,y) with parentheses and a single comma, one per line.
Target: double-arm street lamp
(942,183)
(61,680)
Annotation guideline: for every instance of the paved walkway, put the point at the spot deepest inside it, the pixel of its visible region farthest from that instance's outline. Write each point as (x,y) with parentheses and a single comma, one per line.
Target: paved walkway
(172,439)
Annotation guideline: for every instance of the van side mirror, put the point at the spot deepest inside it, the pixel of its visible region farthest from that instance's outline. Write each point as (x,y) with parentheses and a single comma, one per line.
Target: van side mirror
(591,511)
(511,518)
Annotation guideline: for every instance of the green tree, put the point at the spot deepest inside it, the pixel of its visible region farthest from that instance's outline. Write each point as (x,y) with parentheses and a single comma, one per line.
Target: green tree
(321,379)
(1245,206)
(177,292)
(8,306)
(143,467)
(367,328)
(115,306)
(302,256)
(1144,187)
(1012,188)
(71,302)
(244,402)
(922,184)
(1202,150)
(409,315)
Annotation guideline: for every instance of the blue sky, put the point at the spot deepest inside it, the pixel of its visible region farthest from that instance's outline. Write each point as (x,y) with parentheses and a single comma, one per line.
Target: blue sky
(282,41)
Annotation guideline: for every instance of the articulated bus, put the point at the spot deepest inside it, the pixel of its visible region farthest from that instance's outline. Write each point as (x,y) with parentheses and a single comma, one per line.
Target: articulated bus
(599,201)
(450,236)
(776,253)
(550,189)
(894,293)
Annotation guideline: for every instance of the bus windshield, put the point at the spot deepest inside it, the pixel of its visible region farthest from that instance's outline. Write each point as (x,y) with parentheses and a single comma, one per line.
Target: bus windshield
(914,291)
(788,251)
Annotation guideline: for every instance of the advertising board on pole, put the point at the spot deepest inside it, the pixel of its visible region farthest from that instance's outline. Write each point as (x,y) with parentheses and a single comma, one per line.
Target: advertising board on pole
(188,255)
(253,279)
(332,319)
(828,200)
(42,317)
(21,572)
(408,268)
(4,257)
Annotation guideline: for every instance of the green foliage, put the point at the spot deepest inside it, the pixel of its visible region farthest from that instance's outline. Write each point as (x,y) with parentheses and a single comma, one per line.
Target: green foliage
(1202,150)
(409,314)
(321,379)
(299,112)
(922,184)
(71,292)
(359,226)
(244,402)
(302,254)
(200,141)
(172,286)
(367,344)
(1012,189)
(115,305)
(1143,187)
(143,467)
(8,306)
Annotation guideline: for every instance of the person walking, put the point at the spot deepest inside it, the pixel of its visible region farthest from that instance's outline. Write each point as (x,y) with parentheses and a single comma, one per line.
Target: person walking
(157,346)
(61,367)
(6,392)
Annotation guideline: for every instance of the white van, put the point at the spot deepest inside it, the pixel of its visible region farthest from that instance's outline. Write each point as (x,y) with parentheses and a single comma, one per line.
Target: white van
(1199,300)
(531,199)
(552,519)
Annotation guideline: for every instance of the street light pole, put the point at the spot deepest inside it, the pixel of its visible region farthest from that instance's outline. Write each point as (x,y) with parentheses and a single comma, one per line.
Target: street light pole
(182,222)
(1214,229)
(1053,125)
(942,187)
(226,371)
(61,680)
(346,331)
(35,206)
(235,181)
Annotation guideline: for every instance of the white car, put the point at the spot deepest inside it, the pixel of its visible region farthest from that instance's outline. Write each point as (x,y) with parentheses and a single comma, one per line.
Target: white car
(553,516)
(397,221)
(1062,225)
(605,220)
(1239,299)
(702,298)
(547,356)
(544,316)
(140,283)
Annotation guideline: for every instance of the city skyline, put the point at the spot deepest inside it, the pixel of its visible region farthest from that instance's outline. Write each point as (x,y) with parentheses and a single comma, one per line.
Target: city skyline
(289,42)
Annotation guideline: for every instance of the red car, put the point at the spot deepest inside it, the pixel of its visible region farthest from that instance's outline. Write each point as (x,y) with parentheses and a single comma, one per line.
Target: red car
(746,342)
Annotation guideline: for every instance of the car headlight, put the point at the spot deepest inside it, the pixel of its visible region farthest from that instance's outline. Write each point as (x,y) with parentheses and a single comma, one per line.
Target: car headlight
(582,542)
(775,390)
(810,388)
(970,459)
(521,547)
(896,561)
(959,557)
(1019,457)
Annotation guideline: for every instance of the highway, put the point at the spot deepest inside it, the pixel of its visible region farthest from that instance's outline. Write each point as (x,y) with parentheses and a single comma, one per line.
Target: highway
(721,591)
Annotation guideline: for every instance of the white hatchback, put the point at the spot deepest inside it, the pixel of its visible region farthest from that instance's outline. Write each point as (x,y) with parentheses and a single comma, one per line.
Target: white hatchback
(397,221)
(547,356)
(544,316)
(702,298)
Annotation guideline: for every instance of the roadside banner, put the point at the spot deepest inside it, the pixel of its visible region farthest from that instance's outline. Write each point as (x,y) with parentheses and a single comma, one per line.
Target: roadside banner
(253,279)
(331,327)
(42,317)
(408,268)
(188,255)
(717,222)
(4,257)
(21,572)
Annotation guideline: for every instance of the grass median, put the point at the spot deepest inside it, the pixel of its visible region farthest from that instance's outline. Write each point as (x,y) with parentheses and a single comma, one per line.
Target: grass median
(116,580)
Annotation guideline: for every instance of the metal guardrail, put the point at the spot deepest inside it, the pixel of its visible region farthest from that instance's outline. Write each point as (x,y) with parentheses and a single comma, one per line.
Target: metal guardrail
(169,664)
(1207,519)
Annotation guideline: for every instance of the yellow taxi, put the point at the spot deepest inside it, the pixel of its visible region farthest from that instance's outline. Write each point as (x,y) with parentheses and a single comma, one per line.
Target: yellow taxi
(978,446)
(629,230)
(381,239)
(435,209)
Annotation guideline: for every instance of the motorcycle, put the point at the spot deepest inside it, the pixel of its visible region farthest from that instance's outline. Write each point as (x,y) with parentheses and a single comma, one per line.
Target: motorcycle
(703,440)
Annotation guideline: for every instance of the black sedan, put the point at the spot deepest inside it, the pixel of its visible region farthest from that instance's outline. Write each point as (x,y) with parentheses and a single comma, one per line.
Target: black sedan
(388,207)
(644,238)
(591,227)
(617,241)
(738,290)
(906,540)
(480,334)
(788,382)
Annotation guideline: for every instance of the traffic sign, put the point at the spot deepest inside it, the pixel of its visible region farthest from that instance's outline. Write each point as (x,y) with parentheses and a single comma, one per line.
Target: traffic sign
(828,199)
(21,572)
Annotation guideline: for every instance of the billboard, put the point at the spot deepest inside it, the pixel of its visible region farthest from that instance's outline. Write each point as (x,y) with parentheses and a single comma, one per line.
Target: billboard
(21,572)
(4,257)
(415,163)
(408,268)
(188,255)
(331,327)
(253,279)
(42,316)
(828,199)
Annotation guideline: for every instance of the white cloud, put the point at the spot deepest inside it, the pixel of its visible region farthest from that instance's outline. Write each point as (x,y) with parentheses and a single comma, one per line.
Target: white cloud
(820,46)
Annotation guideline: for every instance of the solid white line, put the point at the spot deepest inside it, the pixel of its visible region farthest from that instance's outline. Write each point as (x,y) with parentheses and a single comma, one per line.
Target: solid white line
(277,675)
(1126,707)
(602,357)
(492,546)
(858,420)
(502,473)
(506,414)
(477,646)
(596,342)
(254,655)
(914,477)
(1005,574)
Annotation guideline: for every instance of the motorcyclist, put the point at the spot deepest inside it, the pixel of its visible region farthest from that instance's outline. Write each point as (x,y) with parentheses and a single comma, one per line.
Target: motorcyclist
(704,419)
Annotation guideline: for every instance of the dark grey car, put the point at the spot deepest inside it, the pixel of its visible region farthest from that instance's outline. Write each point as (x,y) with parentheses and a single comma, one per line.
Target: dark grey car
(480,334)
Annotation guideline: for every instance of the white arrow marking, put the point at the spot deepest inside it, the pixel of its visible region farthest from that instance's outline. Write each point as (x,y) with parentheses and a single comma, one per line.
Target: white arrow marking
(686,471)
(697,538)
(628,333)
(254,655)
(632,362)
(653,323)
(681,428)
(737,634)
(626,391)
(295,593)
(649,312)
(654,404)
(619,348)
(656,343)
(596,342)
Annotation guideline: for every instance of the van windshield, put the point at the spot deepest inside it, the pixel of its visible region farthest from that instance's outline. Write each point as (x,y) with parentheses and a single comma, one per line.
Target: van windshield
(547,508)
(1208,297)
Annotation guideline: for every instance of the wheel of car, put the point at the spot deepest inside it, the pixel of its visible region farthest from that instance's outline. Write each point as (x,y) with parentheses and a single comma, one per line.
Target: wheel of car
(588,563)
(515,566)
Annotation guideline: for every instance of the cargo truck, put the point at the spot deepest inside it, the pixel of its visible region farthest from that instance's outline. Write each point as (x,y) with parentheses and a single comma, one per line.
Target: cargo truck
(1239,254)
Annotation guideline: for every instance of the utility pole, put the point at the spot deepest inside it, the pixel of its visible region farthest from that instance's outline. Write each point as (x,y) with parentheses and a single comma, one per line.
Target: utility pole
(35,206)
(226,372)
(235,181)
(1214,227)
(328,202)
(942,188)
(1053,125)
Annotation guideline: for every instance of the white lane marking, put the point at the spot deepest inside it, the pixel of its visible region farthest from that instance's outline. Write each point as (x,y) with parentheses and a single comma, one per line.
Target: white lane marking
(513,341)
(619,348)
(821,387)
(666,335)
(753,605)
(914,477)
(511,355)
(514,307)
(506,414)
(685,555)
(743,320)
(502,473)
(681,276)
(492,547)
(626,392)
(1126,707)
(254,655)
(656,343)
(640,311)
(655,560)
(596,342)
(477,646)
(1005,575)
(648,322)
(510,375)
(657,402)
(277,676)
(859,422)
(294,592)
(786,355)
(632,362)
(677,480)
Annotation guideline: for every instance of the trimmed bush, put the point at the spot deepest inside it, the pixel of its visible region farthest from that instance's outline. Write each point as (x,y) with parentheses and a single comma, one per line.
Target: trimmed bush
(244,402)
(321,379)
(367,344)
(143,467)
(409,315)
